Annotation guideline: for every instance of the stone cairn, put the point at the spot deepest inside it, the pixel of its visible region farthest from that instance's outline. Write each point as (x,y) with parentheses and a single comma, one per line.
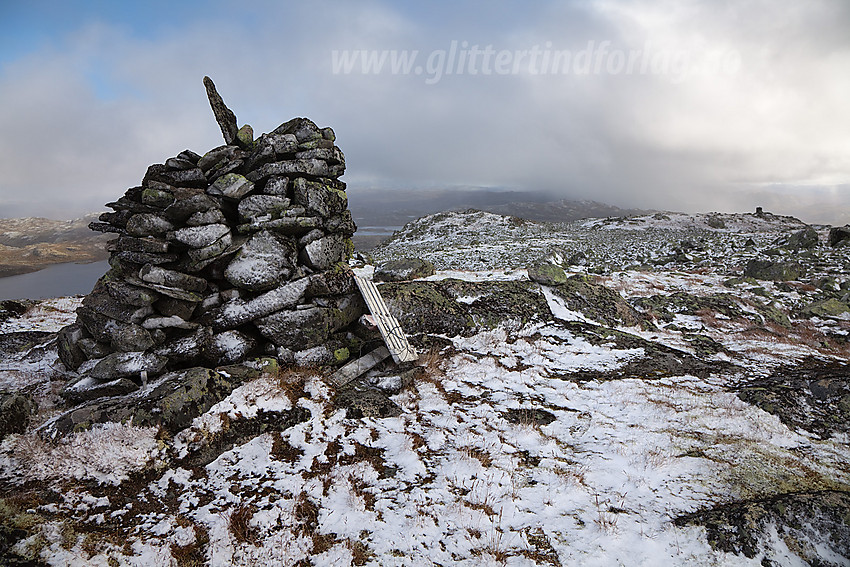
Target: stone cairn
(237,253)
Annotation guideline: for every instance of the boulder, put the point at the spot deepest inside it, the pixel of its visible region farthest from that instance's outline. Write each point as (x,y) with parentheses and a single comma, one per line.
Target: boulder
(404,269)
(16,410)
(547,274)
(839,236)
(803,239)
(775,271)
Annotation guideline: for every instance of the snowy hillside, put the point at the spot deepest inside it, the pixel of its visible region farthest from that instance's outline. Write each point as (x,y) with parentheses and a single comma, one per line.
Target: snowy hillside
(654,407)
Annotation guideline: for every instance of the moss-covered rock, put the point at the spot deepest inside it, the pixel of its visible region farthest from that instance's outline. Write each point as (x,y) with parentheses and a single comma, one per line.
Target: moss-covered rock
(456,307)
(811,396)
(172,402)
(547,274)
(827,308)
(15,412)
(597,302)
(799,519)
(404,269)
(774,271)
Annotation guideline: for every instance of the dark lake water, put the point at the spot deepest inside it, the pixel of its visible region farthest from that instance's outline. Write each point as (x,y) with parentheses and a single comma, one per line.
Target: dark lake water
(53,281)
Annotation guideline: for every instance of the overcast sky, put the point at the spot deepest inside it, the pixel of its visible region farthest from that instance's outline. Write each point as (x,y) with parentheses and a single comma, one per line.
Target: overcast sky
(679,105)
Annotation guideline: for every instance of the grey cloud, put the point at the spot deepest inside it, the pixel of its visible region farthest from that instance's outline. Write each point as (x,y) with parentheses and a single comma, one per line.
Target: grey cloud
(774,133)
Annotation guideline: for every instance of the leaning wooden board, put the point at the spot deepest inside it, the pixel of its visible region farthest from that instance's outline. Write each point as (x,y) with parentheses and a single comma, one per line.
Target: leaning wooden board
(388,325)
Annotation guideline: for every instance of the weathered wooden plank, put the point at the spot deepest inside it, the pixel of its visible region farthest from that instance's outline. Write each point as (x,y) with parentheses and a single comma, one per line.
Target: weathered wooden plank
(390,328)
(359,367)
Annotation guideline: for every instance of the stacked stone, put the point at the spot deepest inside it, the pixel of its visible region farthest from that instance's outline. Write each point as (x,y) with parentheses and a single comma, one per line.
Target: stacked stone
(220,257)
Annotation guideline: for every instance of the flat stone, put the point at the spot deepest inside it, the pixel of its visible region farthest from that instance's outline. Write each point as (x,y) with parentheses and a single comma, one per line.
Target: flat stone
(170,278)
(88,388)
(188,348)
(103,303)
(172,322)
(284,144)
(308,167)
(216,156)
(145,257)
(127,365)
(239,312)
(199,236)
(94,349)
(303,129)
(147,224)
(182,209)
(169,306)
(157,198)
(129,294)
(306,328)
(180,178)
(404,269)
(262,263)
(262,207)
(286,225)
(212,216)
(148,244)
(231,185)
(179,163)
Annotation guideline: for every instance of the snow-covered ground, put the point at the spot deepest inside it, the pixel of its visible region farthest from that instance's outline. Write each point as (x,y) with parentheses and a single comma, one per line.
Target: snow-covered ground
(499,457)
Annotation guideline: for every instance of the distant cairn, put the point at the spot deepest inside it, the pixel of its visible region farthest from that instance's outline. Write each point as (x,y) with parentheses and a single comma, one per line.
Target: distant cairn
(238,253)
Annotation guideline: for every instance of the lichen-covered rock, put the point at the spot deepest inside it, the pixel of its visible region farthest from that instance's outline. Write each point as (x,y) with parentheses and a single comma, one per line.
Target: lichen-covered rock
(321,199)
(323,253)
(404,269)
(597,302)
(263,262)
(263,207)
(839,236)
(171,401)
(775,271)
(15,412)
(305,328)
(827,308)
(547,274)
(67,346)
(794,519)
(361,401)
(803,239)
(199,236)
(229,347)
(146,224)
(127,365)
(87,388)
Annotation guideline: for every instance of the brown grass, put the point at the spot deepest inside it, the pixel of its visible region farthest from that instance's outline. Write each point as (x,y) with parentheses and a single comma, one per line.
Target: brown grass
(239,524)
(283,451)
(192,555)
